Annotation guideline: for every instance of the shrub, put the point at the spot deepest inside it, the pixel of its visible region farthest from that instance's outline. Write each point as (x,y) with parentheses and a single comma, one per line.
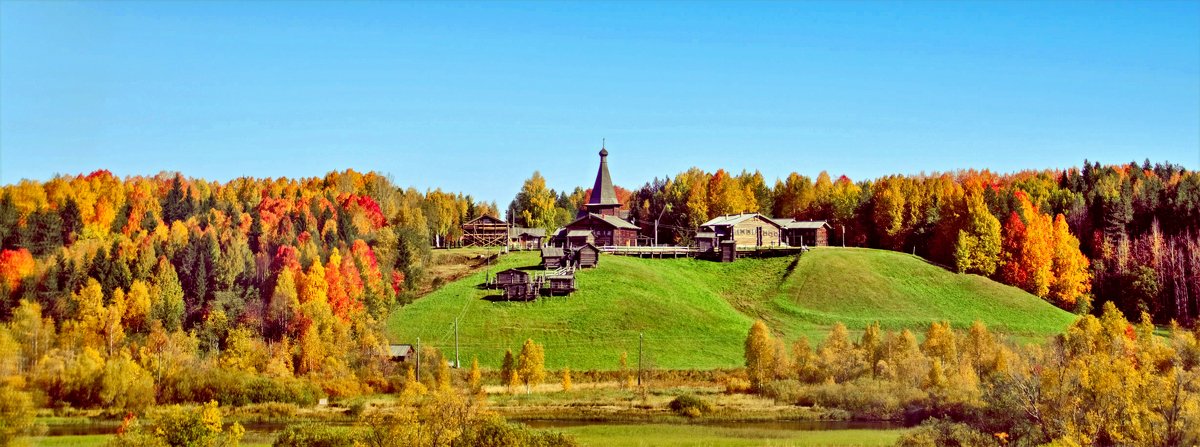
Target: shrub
(690,406)
(314,435)
(937,432)
(735,385)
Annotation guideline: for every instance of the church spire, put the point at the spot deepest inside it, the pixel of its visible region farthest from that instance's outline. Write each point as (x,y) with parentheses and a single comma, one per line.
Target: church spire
(603,193)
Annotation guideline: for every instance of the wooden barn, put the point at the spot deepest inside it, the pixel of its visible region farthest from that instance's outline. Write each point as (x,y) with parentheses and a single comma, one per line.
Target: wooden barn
(552,257)
(485,231)
(805,233)
(526,238)
(587,256)
(511,276)
(746,230)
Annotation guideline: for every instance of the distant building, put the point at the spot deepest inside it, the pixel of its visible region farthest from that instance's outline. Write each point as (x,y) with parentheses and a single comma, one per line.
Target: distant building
(485,231)
(526,238)
(400,353)
(745,230)
(805,233)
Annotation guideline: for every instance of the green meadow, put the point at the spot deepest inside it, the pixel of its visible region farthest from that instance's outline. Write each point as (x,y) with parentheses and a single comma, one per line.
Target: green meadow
(694,314)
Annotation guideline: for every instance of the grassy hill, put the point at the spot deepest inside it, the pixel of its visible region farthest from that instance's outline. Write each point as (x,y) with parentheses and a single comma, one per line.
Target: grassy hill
(695,314)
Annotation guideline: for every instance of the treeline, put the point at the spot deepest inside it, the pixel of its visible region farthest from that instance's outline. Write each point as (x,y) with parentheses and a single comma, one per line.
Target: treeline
(1103,382)
(122,293)
(1137,226)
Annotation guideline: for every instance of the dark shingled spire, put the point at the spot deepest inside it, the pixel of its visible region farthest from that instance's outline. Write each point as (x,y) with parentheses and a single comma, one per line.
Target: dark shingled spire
(603,192)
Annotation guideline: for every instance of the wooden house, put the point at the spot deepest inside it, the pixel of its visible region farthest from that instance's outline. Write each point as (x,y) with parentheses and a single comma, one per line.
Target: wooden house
(399,353)
(526,238)
(560,285)
(746,230)
(511,276)
(587,256)
(805,233)
(485,231)
(604,230)
(552,257)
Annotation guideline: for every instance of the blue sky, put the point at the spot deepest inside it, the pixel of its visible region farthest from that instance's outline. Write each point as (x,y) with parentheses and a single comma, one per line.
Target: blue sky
(473,97)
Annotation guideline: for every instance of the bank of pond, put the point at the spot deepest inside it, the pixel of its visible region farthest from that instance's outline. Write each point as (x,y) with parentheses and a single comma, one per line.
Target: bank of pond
(586,433)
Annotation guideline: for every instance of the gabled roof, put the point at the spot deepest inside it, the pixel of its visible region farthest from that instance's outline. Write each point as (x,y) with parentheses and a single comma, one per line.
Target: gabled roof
(518,271)
(552,252)
(578,233)
(603,192)
(486,220)
(587,245)
(400,350)
(735,219)
(612,221)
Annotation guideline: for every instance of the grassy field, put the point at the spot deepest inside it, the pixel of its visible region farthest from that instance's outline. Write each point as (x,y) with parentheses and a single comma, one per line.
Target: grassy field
(695,314)
(698,435)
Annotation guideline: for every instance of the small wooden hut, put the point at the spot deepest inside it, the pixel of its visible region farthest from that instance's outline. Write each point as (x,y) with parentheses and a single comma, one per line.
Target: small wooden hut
(706,241)
(399,353)
(587,256)
(552,257)
(559,285)
(521,292)
(728,250)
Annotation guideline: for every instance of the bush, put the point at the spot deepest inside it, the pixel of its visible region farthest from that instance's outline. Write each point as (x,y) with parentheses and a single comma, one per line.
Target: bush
(735,385)
(690,406)
(314,435)
(495,432)
(937,433)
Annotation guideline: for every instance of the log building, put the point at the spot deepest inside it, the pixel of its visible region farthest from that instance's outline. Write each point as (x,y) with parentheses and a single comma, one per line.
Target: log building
(745,230)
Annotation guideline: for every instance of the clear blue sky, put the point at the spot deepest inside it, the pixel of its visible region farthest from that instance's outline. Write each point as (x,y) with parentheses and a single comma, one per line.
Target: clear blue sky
(473,97)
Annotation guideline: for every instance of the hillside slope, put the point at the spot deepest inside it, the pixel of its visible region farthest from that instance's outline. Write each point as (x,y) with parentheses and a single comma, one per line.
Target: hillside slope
(695,314)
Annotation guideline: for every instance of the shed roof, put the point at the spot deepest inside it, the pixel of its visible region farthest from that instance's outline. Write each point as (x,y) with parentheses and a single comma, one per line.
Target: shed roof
(705,234)
(588,245)
(517,271)
(400,350)
(578,233)
(552,252)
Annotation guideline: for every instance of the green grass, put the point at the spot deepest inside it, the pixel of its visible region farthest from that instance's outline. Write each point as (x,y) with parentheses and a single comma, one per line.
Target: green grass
(699,435)
(695,314)
(70,441)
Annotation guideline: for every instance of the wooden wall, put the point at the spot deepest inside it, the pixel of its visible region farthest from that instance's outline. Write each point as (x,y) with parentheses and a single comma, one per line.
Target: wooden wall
(746,233)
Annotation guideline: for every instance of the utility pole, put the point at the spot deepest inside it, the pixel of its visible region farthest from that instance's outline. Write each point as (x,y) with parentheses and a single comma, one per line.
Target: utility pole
(641,338)
(843,236)
(418,359)
(457,365)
